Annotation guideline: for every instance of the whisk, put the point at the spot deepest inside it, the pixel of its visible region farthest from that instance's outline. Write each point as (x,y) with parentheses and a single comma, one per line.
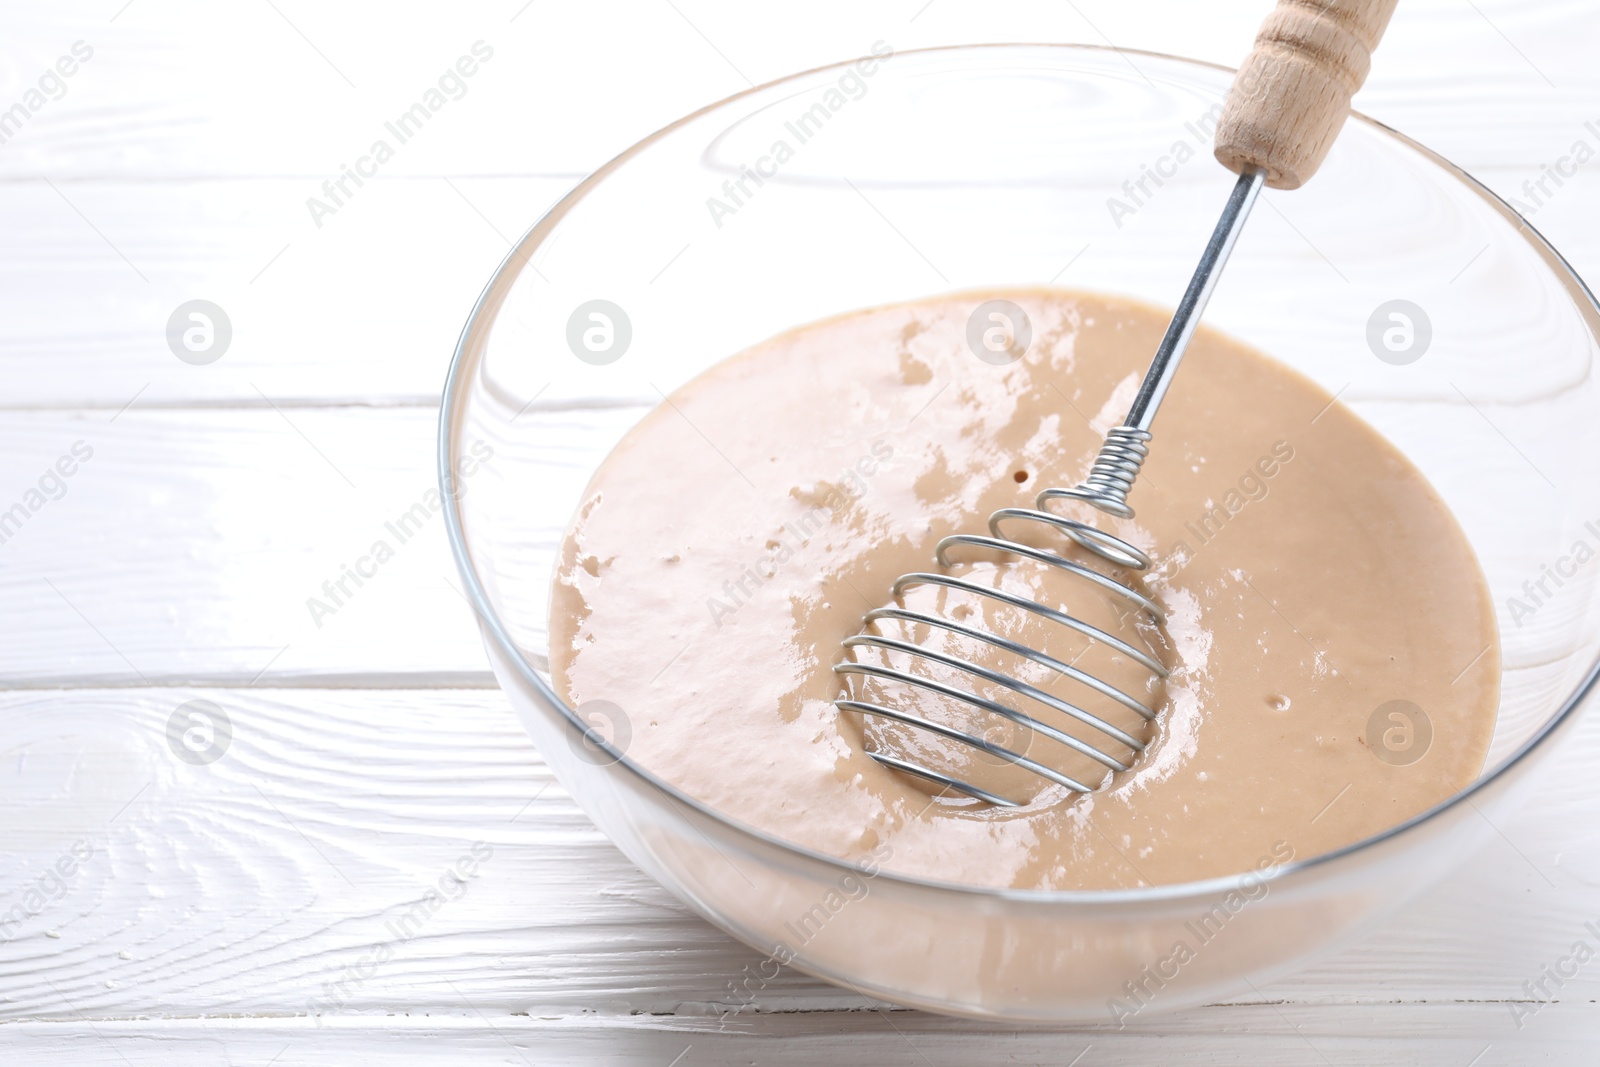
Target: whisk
(1287,103)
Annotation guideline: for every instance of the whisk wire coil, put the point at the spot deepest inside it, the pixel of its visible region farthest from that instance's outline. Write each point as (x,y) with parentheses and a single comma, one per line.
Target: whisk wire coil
(1107,546)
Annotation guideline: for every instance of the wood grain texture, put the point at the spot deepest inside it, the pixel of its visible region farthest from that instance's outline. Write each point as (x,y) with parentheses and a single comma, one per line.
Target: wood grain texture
(220,903)
(268,882)
(220,545)
(364,310)
(334,75)
(1292,93)
(1284,1035)
(188,546)
(198,545)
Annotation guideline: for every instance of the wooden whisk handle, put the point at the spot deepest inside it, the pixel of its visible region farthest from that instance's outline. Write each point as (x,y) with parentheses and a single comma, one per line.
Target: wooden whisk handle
(1291,95)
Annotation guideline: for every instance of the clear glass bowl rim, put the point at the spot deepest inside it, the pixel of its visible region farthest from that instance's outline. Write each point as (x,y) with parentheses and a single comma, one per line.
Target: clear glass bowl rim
(521,253)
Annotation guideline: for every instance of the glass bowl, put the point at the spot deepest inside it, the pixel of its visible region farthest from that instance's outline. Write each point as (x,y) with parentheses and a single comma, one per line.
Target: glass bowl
(957,168)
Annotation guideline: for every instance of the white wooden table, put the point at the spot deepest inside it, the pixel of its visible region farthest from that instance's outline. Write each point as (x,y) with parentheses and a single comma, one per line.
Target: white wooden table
(244,911)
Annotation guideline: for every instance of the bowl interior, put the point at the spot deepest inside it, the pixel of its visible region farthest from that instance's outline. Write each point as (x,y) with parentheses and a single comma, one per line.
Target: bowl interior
(954,169)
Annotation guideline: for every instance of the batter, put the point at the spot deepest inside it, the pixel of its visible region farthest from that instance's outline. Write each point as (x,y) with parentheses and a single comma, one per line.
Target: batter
(1334,664)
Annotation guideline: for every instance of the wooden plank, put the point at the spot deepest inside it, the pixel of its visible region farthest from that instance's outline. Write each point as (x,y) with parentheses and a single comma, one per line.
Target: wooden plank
(1294,1035)
(268,545)
(365,310)
(565,90)
(192,544)
(264,883)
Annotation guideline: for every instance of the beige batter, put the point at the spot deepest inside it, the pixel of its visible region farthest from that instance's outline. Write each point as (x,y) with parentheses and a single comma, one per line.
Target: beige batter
(1309,573)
